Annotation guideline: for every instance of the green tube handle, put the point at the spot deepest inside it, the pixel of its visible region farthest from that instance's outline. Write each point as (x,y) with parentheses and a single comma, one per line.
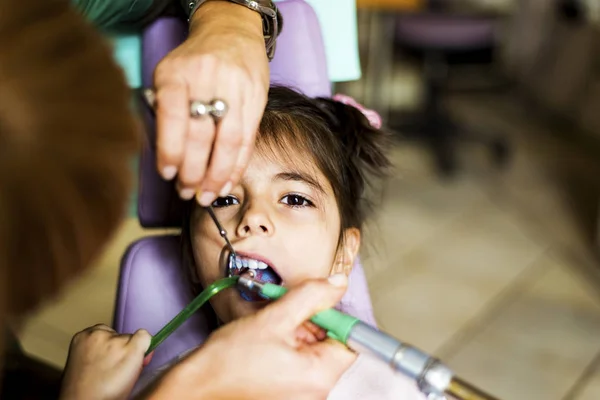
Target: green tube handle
(337,324)
(190,310)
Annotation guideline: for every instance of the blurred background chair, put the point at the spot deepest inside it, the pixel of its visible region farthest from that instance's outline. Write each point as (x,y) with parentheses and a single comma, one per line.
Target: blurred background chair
(438,36)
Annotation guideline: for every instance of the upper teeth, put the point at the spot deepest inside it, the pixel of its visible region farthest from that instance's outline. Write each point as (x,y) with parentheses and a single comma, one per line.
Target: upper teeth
(249,263)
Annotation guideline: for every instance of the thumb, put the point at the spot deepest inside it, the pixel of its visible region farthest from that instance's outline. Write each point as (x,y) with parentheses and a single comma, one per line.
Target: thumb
(335,358)
(140,342)
(304,301)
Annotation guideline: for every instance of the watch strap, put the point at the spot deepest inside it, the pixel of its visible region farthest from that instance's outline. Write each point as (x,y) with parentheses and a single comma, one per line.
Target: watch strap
(271,18)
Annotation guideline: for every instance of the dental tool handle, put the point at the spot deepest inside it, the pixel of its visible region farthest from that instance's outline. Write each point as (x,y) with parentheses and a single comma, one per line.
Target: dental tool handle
(431,375)
(337,324)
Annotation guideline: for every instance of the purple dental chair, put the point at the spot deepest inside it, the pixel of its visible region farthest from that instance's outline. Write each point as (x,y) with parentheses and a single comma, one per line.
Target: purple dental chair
(151,288)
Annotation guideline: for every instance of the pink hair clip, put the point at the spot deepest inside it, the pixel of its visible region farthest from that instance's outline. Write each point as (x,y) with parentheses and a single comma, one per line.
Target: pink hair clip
(372,115)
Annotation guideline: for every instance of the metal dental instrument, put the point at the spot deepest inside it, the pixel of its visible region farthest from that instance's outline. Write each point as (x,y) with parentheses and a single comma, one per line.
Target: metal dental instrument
(433,378)
(223,233)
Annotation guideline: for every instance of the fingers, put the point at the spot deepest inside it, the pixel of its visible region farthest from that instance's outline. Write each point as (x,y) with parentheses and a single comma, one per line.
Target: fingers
(137,345)
(301,303)
(198,146)
(140,340)
(100,327)
(335,351)
(172,115)
(228,141)
(319,333)
(310,333)
(82,336)
(147,359)
(335,358)
(253,109)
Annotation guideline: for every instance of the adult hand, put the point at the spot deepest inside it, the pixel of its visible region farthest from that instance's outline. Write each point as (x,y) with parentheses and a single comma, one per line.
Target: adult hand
(104,365)
(262,356)
(223,58)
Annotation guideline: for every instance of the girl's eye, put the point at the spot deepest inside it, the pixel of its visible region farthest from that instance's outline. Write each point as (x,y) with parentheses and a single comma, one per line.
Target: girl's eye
(295,200)
(225,202)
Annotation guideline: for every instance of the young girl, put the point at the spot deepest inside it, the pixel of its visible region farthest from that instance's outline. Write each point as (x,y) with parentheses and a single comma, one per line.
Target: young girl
(297,214)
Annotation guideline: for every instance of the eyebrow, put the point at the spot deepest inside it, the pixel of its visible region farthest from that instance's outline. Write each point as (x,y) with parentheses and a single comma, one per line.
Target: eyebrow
(300,177)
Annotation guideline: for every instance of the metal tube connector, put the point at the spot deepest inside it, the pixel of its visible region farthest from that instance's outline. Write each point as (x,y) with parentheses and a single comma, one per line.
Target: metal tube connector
(432,377)
(250,284)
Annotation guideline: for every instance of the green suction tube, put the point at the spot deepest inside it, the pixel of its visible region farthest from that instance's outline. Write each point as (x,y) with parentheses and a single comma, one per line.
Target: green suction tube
(189,310)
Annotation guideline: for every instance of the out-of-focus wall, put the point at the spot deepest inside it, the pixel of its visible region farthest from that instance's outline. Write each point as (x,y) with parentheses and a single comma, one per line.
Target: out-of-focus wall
(556,60)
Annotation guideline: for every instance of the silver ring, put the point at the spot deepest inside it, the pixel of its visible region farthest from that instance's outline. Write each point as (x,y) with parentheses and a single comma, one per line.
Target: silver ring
(218,109)
(199,109)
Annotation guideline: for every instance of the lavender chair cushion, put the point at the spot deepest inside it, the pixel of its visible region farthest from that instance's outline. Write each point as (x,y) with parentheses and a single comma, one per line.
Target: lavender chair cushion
(300,61)
(445,32)
(158,204)
(151,291)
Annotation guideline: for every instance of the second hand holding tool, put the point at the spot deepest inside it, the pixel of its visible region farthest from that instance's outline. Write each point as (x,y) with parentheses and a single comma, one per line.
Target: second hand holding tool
(433,378)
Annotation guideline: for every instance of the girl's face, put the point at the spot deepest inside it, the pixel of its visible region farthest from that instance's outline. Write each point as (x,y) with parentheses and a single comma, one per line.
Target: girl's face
(281,214)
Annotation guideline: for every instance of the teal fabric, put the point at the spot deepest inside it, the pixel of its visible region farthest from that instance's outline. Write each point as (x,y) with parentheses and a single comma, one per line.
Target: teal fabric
(104,13)
(128,50)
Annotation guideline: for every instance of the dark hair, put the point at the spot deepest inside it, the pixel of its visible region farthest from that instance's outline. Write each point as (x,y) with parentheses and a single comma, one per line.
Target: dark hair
(337,137)
(68,136)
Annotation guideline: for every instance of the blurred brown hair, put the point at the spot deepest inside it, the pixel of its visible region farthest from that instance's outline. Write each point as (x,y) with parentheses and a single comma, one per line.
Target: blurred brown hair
(67,138)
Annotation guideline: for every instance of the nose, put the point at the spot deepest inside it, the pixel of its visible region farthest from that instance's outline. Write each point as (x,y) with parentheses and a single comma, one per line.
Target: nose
(256,221)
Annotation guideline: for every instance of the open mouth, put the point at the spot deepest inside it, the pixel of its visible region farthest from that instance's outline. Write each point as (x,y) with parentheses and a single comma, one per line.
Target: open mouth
(256,269)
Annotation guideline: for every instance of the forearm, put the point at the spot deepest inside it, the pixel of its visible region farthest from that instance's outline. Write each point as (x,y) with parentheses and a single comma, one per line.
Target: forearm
(226,17)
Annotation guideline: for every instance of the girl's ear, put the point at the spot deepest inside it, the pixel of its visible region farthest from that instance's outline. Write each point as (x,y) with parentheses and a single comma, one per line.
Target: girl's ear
(347,252)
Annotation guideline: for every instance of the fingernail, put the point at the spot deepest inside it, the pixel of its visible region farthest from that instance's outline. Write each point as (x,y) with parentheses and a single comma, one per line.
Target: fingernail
(226,189)
(187,194)
(206,199)
(169,172)
(338,280)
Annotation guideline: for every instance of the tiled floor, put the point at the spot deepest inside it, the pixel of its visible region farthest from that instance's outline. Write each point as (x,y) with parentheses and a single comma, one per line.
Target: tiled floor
(493,271)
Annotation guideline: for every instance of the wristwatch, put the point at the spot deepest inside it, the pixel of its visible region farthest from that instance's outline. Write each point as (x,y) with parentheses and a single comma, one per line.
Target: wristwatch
(271,18)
